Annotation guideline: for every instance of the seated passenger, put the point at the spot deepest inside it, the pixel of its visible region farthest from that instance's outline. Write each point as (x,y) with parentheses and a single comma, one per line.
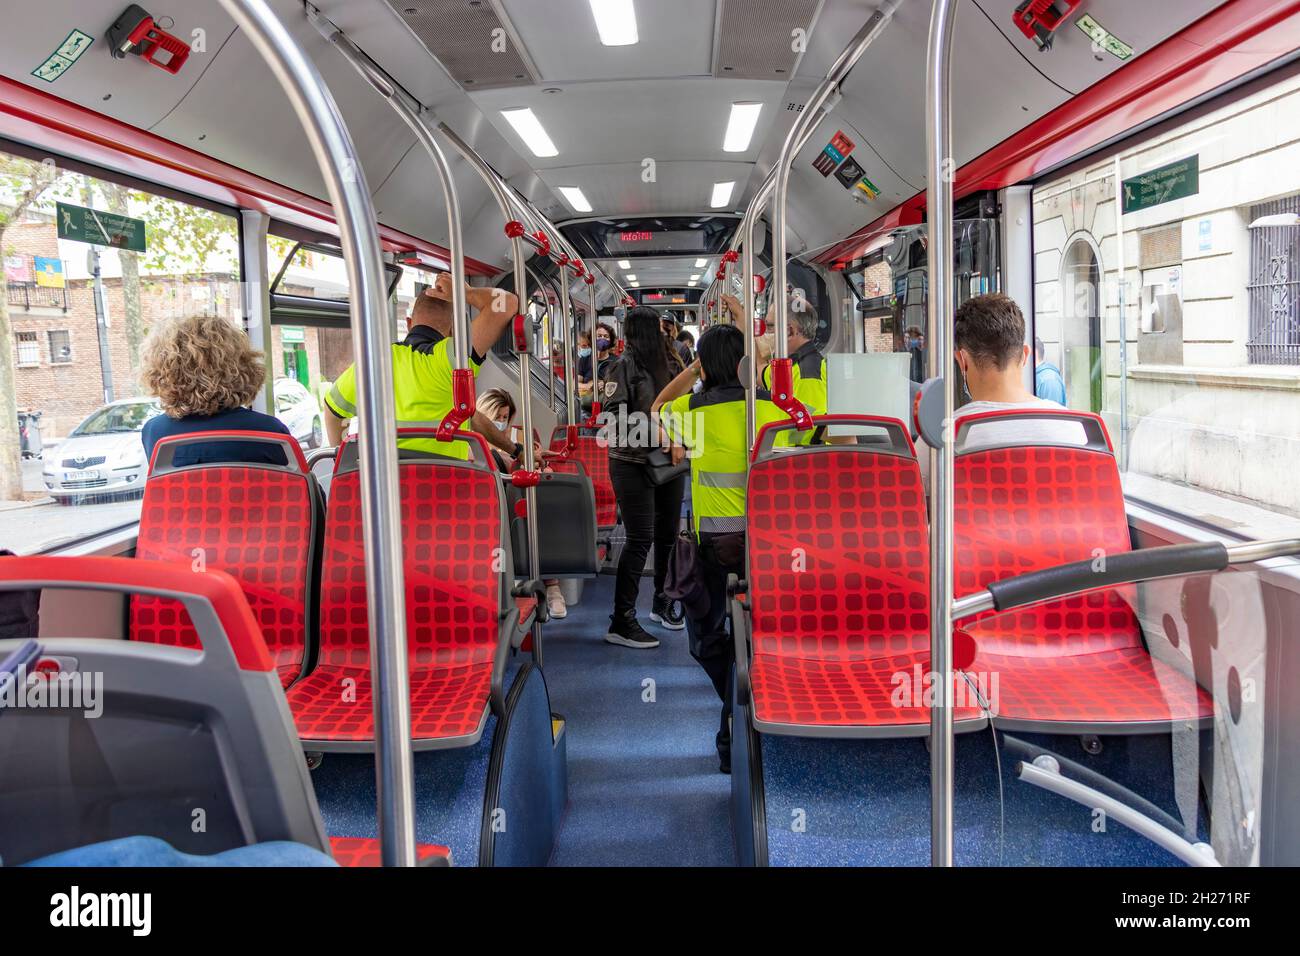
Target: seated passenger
(422,366)
(498,406)
(989,339)
(205,373)
(712,424)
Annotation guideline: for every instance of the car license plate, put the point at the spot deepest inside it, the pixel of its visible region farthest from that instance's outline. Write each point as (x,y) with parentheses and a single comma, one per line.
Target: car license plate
(87,474)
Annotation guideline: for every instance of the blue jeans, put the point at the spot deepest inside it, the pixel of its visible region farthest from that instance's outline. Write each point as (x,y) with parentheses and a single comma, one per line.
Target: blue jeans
(150,851)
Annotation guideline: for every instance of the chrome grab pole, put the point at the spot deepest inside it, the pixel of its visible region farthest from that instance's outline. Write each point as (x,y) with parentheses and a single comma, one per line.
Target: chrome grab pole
(751,358)
(939,304)
(570,352)
(808,120)
(381,515)
(503,196)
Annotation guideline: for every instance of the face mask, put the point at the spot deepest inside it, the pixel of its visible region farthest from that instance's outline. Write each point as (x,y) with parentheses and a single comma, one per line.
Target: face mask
(584,353)
(602,344)
(501,426)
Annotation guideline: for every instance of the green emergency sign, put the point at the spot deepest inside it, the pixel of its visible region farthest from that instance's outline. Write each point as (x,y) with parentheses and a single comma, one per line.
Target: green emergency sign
(100,228)
(1165,184)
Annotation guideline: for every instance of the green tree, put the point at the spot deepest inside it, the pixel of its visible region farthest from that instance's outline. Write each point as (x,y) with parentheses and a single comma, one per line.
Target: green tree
(22,183)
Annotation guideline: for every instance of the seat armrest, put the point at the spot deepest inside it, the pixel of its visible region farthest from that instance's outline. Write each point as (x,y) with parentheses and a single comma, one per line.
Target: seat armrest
(507,627)
(537,589)
(736,589)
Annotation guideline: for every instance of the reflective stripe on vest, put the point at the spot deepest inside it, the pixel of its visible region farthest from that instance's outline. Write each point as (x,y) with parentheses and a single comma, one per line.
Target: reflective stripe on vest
(721,479)
(710,525)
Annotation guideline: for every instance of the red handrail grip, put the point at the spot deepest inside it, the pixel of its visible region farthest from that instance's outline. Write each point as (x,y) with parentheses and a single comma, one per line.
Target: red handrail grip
(462,404)
(783,394)
(131,575)
(270,438)
(519,326)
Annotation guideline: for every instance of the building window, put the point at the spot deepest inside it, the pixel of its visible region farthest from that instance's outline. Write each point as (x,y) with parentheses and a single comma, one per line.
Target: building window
(1162,299)
(60,347)
(29,348)
(1274,273)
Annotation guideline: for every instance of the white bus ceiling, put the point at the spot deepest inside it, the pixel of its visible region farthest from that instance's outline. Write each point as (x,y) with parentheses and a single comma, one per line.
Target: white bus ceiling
(666,99)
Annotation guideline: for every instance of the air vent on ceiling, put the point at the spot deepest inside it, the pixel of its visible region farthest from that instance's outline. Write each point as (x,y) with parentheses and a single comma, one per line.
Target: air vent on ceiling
(470,40)
(757,38)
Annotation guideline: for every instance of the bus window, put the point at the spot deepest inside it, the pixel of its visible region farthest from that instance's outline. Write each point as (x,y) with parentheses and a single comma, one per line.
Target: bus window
(1200,393)
(81,292)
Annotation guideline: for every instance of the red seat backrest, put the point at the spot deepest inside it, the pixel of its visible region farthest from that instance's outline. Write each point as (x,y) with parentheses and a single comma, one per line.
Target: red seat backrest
(1026,508)
(838,554)
(452,537)
(257,524)
(595,459)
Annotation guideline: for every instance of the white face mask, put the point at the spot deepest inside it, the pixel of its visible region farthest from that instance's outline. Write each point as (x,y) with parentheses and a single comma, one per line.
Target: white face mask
(501,426)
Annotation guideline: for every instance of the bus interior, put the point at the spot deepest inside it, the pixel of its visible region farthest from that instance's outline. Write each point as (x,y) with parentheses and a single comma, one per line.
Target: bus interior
(1016,652)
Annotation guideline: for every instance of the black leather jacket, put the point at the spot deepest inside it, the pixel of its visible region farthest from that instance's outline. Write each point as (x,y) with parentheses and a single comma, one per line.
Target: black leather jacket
(627,392)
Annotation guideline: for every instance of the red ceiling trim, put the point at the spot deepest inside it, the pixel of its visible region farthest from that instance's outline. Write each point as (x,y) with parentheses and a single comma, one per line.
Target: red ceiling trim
(1235,39)
(45,121)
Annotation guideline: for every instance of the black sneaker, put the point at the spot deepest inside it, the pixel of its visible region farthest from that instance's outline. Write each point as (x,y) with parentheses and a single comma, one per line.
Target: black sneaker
(628,632)
(667,613)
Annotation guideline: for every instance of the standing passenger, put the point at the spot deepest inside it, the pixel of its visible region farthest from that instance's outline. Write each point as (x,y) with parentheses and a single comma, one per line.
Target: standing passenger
(712,423)
(422,366)
(651,513)
(1048,383)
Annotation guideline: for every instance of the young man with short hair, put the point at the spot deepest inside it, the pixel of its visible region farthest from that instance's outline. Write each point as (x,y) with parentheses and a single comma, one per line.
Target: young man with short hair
(989,340)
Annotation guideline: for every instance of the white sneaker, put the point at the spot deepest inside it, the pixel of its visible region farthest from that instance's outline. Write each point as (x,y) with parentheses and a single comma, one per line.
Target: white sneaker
(555,606)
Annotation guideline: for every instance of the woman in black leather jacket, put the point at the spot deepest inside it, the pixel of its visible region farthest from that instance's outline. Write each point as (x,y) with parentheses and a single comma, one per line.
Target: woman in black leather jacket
(651,513)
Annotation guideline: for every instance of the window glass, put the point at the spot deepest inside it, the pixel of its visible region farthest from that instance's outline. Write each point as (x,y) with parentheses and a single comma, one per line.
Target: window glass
(80,312)
(60,347)
(1191,234)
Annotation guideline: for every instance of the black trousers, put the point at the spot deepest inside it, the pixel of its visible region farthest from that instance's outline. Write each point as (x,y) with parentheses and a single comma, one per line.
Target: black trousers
(712,644)
(652,515)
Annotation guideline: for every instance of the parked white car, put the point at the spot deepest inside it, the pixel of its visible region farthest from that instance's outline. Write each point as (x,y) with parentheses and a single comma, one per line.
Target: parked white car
(103,455)
(298,409)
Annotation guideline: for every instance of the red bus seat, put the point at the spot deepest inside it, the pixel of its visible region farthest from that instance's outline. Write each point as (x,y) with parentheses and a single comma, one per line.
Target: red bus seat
(838,578)
(460,610)
(1078,664)
(594,459)
(183,728)
(260,523)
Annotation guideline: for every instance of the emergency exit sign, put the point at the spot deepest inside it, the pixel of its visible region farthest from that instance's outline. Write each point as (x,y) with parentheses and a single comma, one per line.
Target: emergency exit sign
(80,224)
(1165,184)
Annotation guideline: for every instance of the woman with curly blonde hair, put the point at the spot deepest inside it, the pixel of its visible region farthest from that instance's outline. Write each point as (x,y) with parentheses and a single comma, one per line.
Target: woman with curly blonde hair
(206,373)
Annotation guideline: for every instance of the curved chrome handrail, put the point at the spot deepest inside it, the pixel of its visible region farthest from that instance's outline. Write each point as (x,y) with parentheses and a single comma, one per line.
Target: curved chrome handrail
(381,515)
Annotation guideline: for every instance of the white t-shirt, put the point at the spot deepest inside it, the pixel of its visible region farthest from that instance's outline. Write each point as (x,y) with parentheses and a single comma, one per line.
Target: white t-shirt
(1018,432)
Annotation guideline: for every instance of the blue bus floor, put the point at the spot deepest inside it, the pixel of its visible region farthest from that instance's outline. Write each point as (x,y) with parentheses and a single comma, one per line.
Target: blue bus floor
(644,786)
(867,803)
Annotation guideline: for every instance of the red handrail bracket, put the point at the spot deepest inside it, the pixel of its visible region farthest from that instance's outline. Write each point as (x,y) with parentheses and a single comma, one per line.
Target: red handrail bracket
(783,394)
(462,403)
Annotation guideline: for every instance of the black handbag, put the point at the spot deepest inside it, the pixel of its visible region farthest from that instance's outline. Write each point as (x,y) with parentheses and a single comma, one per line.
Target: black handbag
(685,579)
(659,466)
